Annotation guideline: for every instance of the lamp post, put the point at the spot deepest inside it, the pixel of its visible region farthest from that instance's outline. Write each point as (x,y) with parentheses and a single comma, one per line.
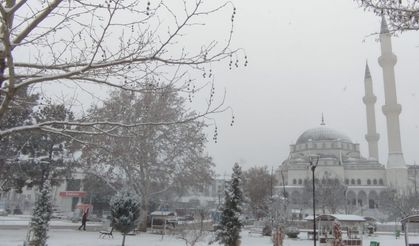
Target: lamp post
(314,160)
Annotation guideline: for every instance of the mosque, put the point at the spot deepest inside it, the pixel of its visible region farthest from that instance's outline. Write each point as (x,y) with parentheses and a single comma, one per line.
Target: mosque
(339,158)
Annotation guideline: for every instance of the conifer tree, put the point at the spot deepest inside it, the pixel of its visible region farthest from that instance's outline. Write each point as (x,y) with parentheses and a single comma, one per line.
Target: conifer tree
(230,226)
(41,216)
(125,209)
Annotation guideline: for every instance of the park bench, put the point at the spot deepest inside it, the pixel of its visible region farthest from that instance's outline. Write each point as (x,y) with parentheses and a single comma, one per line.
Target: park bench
(102,234)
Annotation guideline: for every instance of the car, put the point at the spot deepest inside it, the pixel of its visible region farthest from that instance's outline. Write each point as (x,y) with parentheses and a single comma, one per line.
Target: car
(58,215)
(3,212)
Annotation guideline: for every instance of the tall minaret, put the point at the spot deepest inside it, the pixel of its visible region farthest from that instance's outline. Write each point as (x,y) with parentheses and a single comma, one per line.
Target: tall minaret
(396,165)
(369,99)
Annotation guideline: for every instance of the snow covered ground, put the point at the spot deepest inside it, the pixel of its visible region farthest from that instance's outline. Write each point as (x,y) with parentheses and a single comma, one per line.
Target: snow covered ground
(65,237)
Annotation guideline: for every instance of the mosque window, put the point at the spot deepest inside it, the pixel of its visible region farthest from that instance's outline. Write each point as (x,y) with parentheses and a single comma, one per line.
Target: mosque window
(380,181)
(372,204)
(300,181)
(346,181)
(374,182)
(353,181)
(368,181)
(294,181)
(358,181)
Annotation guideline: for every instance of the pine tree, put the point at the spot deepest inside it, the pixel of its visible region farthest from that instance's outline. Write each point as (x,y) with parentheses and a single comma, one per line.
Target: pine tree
(230,225)
(125,209)
(41,216)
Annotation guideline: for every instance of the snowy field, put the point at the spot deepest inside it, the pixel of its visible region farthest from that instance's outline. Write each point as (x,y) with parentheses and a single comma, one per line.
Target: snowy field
(65,237)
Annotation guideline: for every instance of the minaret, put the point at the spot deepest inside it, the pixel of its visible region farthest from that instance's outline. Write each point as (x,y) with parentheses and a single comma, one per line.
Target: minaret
(369,99)
(391,109)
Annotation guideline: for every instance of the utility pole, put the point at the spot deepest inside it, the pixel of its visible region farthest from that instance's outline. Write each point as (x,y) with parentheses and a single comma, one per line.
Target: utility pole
(314,161)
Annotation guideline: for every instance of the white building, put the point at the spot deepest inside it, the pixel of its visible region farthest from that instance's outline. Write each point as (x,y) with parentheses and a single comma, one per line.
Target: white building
(365,177)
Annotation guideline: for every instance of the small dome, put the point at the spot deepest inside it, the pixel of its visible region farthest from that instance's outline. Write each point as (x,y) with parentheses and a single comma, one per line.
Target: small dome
(322,133)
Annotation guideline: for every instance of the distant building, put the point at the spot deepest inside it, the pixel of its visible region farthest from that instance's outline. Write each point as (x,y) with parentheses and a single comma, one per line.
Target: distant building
(340,158)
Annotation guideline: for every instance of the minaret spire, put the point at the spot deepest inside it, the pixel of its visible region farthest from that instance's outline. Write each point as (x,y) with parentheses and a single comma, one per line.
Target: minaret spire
(322,124)
(391,110)
(370,99)
(384,27)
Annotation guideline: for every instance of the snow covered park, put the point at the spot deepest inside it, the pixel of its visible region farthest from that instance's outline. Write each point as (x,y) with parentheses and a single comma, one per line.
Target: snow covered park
(73,237)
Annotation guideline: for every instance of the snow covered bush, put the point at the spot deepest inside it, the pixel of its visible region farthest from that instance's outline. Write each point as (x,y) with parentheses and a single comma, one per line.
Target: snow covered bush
(125,210)
(41,216)
(230,225)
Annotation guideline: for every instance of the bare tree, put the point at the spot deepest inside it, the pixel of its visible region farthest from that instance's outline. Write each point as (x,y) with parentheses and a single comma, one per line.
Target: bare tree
(114,43)
(31,159)
(151,160)
(403,15)
(330,193)
(398,206)
(258,184)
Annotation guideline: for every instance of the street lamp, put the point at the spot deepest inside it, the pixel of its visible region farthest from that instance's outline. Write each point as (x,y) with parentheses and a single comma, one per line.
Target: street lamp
(314,160)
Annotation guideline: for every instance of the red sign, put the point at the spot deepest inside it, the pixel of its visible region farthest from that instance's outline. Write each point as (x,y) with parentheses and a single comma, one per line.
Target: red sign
(73,193)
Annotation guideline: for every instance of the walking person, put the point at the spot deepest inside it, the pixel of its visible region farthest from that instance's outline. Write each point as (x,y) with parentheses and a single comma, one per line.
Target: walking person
(84,219)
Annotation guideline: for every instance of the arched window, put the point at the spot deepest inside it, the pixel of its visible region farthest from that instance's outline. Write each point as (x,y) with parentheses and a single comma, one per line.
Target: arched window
(294,181)
(358,181)
(374,182)
(346,181)
(372,204)
(368,181)
(300,181)
(380,181)
(353,181)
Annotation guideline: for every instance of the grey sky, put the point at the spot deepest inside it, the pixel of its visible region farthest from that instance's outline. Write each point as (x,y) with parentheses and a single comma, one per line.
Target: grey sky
(305,58)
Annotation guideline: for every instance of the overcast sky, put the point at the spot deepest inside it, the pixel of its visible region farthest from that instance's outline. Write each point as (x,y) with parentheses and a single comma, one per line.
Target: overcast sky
(307,58)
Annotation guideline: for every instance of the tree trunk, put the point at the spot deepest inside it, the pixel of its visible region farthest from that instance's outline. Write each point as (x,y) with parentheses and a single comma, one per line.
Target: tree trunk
(144,212)
(123,239)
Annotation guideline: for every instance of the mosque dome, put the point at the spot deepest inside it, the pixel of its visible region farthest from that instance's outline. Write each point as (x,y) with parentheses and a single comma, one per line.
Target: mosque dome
(322,133)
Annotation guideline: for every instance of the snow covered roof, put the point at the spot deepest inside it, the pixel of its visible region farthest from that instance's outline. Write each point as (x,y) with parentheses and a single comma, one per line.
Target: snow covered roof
(410,219)
(163,213)
(339,217)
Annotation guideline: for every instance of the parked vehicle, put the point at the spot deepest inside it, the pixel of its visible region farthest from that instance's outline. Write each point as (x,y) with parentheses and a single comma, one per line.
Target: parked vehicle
(3,212)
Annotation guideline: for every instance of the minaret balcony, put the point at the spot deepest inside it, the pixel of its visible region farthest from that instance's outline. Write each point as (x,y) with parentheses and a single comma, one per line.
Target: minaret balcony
(387,59)
(392,109)
(369,99)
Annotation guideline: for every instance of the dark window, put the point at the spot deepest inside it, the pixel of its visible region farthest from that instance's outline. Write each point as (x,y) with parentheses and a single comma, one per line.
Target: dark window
(381,182)
(358,182)
(346,181)
(371,204)
(374,182)
(300,181)
(353,181)
(294,181)
(368,181)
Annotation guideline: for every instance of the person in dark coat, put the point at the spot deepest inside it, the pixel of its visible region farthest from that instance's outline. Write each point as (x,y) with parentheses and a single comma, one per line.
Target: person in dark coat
(84,220)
